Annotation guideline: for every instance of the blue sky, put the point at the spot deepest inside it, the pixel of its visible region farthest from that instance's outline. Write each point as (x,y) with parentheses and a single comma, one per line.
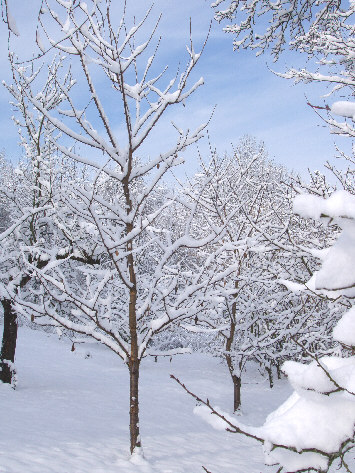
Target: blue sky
(249,99)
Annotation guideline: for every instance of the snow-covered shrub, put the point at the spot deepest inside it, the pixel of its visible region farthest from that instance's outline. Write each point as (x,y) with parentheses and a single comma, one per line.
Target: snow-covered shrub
(315,426)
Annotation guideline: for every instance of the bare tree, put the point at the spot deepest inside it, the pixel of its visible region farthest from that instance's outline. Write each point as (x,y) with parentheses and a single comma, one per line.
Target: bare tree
(314,429)
(254,315)
(27,194)
(124,302)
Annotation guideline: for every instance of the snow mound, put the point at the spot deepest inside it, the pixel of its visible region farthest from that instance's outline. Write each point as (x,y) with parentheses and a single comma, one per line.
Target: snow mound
(344,331)
(311,421)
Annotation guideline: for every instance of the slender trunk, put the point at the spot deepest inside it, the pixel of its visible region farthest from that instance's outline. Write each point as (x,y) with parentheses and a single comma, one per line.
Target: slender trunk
(278,369)
(8,347)
(134,361)
(133,365)
(236,379)
(237,382)
(134,405)
(269,372)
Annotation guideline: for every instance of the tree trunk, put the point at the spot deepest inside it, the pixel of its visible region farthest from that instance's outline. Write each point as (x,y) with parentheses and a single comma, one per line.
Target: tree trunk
(8,347)
(134,361)
(236,379)
(134,405)
(237,382)
(278,369)
(133,365)
(269,372)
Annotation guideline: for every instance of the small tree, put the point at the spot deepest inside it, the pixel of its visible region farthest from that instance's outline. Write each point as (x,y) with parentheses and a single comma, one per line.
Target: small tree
(124,302)
(237,195)
(27,195)
(314,428)
(253,316)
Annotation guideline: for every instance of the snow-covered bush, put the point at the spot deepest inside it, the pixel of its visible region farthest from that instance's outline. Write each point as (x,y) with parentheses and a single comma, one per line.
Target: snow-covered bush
(314,428)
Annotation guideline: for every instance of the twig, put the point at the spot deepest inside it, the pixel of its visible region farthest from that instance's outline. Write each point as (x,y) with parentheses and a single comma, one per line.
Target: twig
(314,357)
(207,471)
(237,430)
(232,428)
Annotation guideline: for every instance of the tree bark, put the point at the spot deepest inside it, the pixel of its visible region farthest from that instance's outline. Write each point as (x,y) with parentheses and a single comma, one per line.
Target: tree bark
(9,339)
(133,365)
(236,379)
(278,369)
(269,372)
(134,361)
(237,382)
(135,440)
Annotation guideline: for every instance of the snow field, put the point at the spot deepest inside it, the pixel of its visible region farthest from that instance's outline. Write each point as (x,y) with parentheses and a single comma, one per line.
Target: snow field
(70,414)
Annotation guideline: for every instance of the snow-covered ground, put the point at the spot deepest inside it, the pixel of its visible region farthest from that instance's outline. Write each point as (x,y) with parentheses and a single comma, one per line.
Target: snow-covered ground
(69,414)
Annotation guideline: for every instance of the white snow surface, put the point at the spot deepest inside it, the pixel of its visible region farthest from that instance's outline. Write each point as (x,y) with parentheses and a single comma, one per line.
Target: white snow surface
(337,271)
(344,109)
(69,414)
(340,203)
(309,419)
(344,331)
(314,376)
(12,22)
(306,421)
(293,461)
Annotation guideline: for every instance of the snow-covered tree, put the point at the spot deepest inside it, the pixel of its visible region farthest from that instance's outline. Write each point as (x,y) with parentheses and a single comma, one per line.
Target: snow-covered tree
(140,287)
(264,25)
(316,423)
(314,428)
(27,195)
(237,194)
(251,314)
(323,31)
